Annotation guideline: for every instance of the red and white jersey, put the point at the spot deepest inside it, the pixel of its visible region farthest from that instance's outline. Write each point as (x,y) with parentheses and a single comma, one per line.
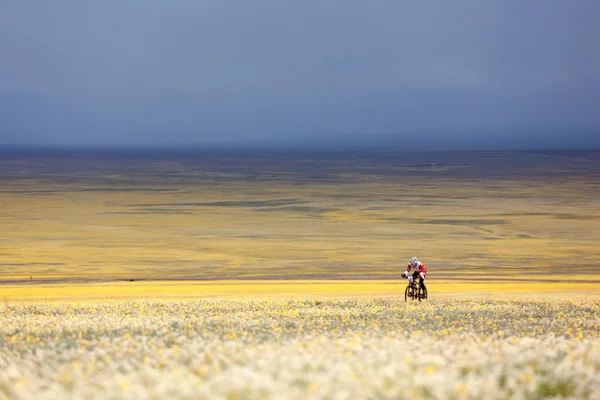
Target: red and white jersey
(421,268)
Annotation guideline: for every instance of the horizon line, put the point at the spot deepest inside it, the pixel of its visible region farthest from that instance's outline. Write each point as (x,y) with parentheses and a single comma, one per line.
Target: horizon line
(183,147)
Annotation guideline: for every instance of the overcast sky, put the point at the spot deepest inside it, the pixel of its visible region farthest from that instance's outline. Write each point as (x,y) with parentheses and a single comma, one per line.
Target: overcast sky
(477,73)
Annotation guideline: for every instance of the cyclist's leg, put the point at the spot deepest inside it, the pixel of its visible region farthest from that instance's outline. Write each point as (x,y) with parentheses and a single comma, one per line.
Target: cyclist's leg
(422,281)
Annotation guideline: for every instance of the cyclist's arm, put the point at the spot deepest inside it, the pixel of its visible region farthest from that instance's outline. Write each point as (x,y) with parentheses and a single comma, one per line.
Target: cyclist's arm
(407,272)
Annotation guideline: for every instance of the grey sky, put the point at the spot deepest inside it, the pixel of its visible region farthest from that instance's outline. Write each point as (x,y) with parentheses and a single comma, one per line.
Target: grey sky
(431,73)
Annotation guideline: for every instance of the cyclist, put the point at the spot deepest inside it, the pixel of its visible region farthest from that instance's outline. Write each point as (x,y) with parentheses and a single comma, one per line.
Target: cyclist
(419,270)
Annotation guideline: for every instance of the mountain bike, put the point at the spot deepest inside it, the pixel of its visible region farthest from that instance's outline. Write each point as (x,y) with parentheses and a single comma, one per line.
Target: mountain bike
(414,291)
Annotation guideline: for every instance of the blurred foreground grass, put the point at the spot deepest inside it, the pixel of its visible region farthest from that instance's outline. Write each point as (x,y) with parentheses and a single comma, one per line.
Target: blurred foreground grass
(525,347)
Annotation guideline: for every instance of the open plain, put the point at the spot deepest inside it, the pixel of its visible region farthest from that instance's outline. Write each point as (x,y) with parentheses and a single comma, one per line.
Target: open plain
(191,275)
(69,215)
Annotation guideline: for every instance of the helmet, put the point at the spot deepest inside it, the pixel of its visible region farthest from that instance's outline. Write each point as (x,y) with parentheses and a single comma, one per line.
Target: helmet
(414,262)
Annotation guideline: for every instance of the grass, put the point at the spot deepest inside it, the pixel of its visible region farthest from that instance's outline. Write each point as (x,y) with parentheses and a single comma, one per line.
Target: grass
(206,219)
(287,289)
(286,285)
(360,229)
(304,347)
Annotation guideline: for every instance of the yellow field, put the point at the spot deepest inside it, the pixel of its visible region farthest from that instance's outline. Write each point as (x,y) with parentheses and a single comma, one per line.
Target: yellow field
(288,289)
(76,235)
(217,277)
(114,221)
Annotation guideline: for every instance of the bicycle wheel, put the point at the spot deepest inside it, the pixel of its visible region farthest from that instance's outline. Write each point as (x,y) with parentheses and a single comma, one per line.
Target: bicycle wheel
(407,293)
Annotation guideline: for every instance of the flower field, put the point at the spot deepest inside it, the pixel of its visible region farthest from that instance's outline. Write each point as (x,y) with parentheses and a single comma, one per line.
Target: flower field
(328,348)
